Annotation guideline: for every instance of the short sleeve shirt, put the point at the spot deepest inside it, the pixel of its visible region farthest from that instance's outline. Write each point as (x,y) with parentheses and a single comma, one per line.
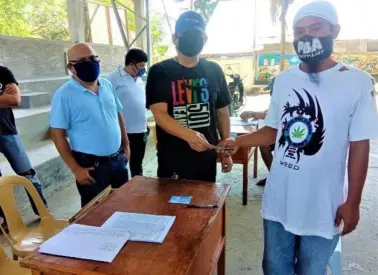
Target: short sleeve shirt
(315,123)
(7,121)
(90,119)
(192,95)
(132,95)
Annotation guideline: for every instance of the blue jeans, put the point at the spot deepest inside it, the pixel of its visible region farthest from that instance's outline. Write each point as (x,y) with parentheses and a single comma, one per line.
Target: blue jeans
(107,172)
(13,149)
(289,254)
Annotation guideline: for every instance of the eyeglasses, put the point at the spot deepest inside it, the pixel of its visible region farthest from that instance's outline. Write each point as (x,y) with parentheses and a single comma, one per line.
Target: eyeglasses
(85,59)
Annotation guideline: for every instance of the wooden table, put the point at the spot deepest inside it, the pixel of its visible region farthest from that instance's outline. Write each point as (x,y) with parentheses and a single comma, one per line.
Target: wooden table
(242,156)
(195,244)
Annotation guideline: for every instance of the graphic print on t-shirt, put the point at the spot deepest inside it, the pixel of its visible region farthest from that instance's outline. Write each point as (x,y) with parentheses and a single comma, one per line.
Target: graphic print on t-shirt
(191,106)
(302,129)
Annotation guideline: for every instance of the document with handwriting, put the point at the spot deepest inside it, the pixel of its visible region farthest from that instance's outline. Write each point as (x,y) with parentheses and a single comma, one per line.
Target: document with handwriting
(142,227)
(86,242)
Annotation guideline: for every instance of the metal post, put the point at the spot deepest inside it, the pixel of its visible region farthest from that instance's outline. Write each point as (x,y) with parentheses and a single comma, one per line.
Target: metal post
(148,33)
(120,25)
(255,55)
(284,7)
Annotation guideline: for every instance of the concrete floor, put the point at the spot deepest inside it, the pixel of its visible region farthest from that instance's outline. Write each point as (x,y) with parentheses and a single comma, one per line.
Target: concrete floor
(244,231)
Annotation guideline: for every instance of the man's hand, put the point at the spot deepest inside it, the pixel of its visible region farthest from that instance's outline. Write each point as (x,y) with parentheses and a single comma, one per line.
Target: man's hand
(247,115)
(197,141)
(126,150)
(230,143)
(83,177)
(227,163)
(11,89)
(350,214)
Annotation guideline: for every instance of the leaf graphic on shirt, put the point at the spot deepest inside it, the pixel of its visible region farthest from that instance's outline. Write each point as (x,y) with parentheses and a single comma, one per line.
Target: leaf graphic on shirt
(298,132)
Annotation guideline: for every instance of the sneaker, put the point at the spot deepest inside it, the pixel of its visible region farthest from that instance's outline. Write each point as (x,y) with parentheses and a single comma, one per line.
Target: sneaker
(261,182)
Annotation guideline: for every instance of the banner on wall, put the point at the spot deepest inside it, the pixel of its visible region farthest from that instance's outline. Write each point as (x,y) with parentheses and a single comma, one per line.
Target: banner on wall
(269,63)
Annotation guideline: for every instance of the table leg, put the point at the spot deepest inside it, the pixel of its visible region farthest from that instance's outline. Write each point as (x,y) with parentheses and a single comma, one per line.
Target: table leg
(222,257)
(255,161)
(222,263)
(245,178)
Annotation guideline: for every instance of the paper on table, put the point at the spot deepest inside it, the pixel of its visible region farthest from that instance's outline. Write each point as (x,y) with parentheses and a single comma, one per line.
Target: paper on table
(86,242)
(142,227)
(236,121)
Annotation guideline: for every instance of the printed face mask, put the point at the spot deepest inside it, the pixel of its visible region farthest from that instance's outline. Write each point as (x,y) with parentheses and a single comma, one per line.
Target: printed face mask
(313,50)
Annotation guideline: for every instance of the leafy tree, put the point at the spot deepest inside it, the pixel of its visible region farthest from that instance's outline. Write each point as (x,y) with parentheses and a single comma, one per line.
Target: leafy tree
(33,18)
(49,19)
(205,8)
(12,19)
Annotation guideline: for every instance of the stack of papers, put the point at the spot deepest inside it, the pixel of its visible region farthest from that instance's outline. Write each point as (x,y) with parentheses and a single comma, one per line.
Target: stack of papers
(142,227)
(86,242)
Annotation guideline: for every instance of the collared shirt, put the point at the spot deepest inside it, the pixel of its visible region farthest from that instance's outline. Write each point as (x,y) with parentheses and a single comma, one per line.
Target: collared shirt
(132,95)
(90,119)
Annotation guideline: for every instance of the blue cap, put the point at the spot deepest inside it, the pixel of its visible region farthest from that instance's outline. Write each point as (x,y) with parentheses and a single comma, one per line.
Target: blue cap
(189,21)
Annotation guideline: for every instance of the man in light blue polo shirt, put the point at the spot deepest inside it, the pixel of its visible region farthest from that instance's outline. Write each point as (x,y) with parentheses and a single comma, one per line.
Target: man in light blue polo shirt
(130,90)
(88,110)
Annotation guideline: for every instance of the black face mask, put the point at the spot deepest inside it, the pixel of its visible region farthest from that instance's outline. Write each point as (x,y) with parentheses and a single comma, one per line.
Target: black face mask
(313,50)
(190,44)
(88,71)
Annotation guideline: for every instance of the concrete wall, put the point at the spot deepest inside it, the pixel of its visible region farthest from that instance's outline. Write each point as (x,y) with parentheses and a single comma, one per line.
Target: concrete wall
(40,65)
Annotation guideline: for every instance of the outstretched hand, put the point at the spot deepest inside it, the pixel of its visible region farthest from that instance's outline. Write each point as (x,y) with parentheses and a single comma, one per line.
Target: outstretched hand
(228,143)
(198,141)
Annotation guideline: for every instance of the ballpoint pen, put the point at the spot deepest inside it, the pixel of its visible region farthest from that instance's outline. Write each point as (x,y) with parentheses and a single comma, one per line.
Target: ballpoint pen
(202,206)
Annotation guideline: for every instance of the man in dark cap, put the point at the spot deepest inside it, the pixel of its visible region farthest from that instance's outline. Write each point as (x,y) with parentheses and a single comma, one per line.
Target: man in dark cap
(188,97)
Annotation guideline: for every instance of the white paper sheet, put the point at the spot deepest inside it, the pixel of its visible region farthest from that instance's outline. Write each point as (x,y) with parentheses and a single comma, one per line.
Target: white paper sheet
(142,227)
(86,242)
(237,121)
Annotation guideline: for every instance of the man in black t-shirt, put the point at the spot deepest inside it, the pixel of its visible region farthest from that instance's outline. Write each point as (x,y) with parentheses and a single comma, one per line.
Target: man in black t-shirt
(10,142)
(188,97)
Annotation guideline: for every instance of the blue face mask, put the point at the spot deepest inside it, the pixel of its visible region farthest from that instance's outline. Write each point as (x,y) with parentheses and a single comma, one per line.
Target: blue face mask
(88,71)
(141,72)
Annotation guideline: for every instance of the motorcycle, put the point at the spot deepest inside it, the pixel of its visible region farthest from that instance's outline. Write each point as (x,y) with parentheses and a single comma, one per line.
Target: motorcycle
(236,89)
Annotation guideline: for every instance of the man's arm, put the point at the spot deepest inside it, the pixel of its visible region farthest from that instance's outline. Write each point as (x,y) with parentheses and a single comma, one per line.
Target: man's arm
(124,138)
(196,140)
(59,138)
(223,118)
(264,137)
(362,128)
(357,169)
(251,114)
(358,161)
(11,96)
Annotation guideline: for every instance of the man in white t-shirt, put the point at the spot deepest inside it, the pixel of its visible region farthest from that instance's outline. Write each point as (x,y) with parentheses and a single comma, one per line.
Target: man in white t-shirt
(319,111)
(130,89)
